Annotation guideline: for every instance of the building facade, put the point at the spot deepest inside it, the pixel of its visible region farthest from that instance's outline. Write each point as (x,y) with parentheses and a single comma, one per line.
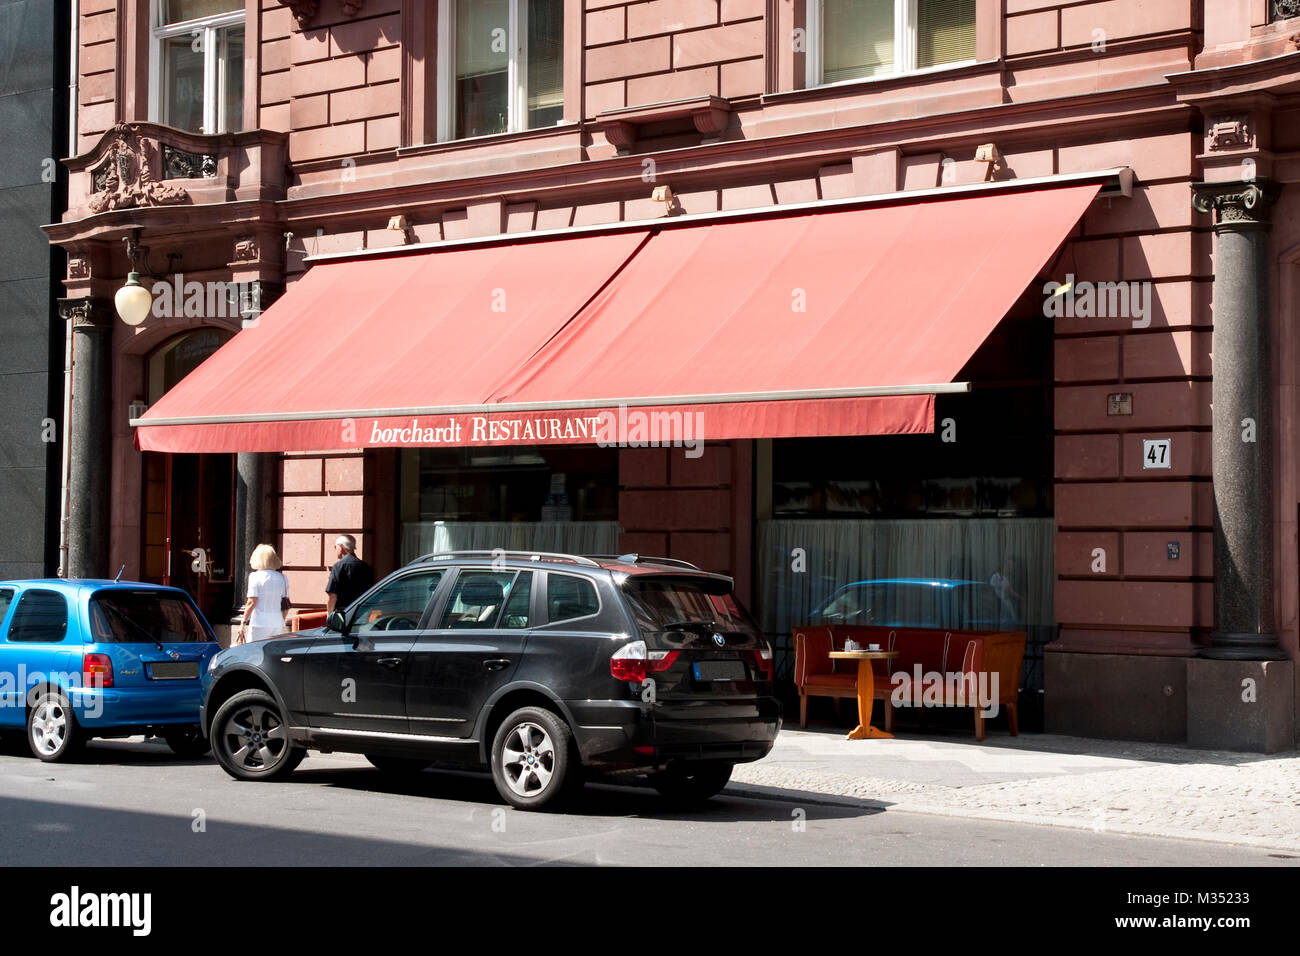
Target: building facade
(34,113)
(1131,504)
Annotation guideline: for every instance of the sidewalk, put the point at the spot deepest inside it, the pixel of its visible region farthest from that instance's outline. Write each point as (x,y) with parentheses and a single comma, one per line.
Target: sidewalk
(1102,785)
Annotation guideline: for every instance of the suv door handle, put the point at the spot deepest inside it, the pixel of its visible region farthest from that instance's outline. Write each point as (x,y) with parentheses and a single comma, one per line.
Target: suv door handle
(497,663)
(389,662)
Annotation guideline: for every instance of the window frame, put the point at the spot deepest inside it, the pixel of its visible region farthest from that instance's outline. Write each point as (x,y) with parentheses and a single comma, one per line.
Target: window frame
(214,80)
(546,599)
(905,22)
(516,73)
(353,613)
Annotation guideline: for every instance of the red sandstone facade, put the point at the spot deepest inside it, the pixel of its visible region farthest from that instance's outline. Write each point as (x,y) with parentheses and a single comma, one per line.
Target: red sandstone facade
(341,134)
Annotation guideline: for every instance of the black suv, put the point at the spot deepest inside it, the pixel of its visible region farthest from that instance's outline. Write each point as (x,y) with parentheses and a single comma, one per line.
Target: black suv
(538,665)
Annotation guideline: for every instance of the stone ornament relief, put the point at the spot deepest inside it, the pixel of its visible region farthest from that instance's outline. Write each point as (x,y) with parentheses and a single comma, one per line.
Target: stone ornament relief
(126,180)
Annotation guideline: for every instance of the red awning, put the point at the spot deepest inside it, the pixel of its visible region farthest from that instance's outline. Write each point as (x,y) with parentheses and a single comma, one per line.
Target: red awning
(786,326)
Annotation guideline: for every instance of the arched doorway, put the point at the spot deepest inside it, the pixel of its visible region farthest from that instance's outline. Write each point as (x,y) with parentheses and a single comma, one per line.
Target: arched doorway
(188,500)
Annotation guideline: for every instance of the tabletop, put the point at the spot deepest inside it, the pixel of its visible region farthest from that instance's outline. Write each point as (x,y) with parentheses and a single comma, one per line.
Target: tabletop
(864,655)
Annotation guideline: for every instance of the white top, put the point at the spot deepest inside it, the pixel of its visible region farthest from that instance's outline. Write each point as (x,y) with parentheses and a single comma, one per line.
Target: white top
(268,587)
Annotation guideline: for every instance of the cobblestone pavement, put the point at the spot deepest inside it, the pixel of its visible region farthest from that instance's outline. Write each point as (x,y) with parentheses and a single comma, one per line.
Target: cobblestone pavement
(1101,785)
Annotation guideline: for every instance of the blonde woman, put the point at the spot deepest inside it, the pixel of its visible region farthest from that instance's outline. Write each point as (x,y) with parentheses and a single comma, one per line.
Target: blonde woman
(268,593)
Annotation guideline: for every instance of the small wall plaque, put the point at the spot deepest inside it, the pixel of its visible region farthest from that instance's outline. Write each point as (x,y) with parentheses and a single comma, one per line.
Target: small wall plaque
(1156,453)
(1119,403)
(1173,549)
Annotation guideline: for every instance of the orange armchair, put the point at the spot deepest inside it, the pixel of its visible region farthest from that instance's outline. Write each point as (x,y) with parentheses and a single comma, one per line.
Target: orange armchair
(815,674)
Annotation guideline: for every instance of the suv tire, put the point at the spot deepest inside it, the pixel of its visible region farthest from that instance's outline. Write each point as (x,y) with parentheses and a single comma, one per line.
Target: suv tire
(535,763)
(687,784)
(250,738)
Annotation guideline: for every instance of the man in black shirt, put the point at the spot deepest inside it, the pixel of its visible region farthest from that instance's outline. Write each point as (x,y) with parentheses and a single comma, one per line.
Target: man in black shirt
(349,578)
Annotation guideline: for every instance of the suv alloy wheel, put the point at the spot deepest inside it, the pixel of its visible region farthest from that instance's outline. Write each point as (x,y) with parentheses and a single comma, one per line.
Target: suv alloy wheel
(250,739)
(535,762)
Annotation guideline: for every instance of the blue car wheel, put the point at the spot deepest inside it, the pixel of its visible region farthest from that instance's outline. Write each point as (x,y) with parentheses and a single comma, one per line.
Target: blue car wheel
(52,729)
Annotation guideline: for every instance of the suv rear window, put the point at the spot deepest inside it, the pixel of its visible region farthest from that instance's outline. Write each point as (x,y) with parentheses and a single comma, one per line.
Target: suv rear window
(658,602)
(144,617)
(569,596)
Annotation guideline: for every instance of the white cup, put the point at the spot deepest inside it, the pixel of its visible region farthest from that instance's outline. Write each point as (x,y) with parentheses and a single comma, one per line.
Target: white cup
(875,647)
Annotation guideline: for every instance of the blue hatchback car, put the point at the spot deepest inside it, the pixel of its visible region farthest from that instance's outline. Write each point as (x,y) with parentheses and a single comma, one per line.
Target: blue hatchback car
(88,658)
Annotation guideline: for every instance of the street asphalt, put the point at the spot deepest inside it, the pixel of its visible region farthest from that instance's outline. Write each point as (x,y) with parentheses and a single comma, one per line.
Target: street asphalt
(132,803)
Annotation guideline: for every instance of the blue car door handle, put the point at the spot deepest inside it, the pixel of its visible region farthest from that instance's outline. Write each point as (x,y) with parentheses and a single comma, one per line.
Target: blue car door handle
(389,662)
(496,663)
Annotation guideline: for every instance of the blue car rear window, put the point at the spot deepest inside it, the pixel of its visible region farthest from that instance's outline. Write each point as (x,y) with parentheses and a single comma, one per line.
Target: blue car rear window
(138,617)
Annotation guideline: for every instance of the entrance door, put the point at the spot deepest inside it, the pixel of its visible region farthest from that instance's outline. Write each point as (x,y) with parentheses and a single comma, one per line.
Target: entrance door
(189,500)
(189,527)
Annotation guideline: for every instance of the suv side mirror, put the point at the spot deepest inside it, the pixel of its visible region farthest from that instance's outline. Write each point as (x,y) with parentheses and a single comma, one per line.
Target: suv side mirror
(337,622)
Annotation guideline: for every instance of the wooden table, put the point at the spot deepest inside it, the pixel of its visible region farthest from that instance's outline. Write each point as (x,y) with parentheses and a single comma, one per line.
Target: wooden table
(866,690)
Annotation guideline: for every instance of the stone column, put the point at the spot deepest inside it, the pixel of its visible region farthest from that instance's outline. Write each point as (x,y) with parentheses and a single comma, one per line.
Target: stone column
(257,482)
(1243,443)
(90,436)
(256,488)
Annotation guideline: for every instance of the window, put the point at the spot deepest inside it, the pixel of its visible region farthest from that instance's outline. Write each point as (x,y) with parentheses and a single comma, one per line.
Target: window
(135,617)
(856,39)
(398,605)
(41,617)
(479,595)
(569,596)
(198,64)
(501,66)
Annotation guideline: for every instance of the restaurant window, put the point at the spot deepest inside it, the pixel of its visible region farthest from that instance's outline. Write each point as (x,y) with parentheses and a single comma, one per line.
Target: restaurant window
(859,39)
(558,498)
(198,65)
(501,66)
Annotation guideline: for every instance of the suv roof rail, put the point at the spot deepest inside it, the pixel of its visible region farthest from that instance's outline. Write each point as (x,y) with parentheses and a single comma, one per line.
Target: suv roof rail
(644,559)
(513,555)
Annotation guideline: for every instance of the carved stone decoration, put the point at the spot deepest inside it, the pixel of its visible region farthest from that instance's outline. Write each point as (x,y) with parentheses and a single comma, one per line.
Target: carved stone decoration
(1236,203)
(246,249)
(78,267)
(179,164)
(352,7)
(1286,9)
(126,180)
(1229,133)
(303,10)
(87,314)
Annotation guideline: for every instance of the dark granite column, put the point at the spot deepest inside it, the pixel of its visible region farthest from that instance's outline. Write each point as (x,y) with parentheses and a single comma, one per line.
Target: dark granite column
(1243,442)
(256,474)
(90,436)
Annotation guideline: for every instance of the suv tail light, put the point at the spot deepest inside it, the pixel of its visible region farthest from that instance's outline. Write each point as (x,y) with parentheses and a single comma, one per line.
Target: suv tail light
(661,660)
(763,660)
(629,662)
(97,670)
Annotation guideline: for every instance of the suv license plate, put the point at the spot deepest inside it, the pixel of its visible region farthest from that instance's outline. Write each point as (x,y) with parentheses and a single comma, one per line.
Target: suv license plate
(720,670)
(174,670)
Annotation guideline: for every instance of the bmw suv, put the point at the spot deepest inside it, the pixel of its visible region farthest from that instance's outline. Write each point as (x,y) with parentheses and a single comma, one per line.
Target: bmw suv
(542,667)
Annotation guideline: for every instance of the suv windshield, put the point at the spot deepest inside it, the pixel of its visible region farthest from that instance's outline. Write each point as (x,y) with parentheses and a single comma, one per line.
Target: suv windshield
(138,617)
(658,603)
